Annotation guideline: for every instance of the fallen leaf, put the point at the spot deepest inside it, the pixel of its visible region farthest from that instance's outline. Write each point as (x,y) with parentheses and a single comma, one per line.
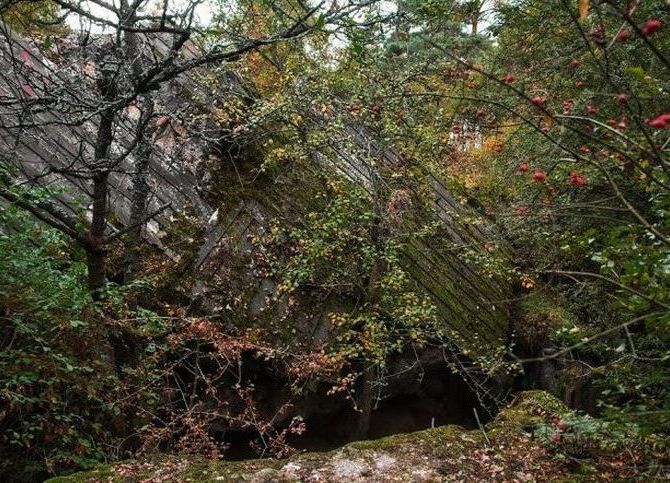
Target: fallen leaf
(584,8)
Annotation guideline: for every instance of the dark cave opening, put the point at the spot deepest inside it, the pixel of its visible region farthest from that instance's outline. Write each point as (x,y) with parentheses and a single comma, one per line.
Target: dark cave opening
(438,398)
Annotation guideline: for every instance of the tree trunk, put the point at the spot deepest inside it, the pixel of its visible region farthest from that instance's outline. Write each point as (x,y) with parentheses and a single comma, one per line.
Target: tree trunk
(137,210)
(95,261)
(366,380)
(364,402)
(144,151)
(95,249)
(475,17)
(96,252)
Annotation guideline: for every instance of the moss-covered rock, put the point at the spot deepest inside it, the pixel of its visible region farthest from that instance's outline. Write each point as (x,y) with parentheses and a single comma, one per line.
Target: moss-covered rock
(539,315)
(448,452)
(528,410)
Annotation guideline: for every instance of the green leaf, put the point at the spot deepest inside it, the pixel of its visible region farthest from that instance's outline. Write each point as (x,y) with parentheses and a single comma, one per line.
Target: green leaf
(76,324)
(320,22)
(637,72)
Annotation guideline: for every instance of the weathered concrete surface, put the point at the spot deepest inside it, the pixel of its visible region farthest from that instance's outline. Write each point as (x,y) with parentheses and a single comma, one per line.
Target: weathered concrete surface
(470,303)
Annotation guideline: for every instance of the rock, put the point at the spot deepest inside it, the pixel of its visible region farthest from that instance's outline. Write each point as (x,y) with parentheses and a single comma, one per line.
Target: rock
(347,468)
(507,452)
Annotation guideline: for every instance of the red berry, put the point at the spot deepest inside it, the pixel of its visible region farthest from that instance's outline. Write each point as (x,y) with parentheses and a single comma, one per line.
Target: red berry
(567,106)
(591,109)
(659,122)
(597,35)
(580,181)
(623,123)
(623,36)
(539,176)
(481,112)
(522,210)
(509,78)
(523,167)
(622,98)
(651,26)
(537,100)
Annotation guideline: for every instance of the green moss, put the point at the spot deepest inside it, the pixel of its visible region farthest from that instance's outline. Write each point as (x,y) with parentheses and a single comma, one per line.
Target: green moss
(540,315)
(528,410)
(386,443)
(101,473)
(187,468)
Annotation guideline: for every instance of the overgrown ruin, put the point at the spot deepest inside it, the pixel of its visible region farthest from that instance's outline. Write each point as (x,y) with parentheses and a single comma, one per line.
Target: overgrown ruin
(295,227)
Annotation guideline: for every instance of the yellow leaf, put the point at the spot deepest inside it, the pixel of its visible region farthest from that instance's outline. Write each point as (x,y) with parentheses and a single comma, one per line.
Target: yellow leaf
(584,8)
